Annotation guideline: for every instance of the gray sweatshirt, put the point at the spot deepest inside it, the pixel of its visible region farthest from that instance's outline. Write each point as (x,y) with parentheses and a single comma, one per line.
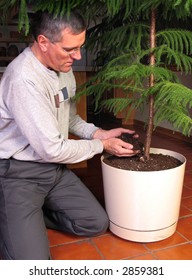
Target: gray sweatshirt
(37,113)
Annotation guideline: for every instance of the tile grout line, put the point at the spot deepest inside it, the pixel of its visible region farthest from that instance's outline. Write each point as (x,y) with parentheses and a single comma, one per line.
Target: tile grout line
(97,249)
(79,241)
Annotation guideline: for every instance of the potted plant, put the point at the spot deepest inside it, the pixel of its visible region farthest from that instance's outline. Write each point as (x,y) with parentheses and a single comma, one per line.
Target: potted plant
(133,38)
(136,47)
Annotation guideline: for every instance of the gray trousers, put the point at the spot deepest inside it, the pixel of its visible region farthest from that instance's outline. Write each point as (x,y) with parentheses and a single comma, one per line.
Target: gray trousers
(34,196)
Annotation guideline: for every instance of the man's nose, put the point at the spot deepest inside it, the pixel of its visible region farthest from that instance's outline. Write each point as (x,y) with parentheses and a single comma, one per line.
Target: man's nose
(76,55)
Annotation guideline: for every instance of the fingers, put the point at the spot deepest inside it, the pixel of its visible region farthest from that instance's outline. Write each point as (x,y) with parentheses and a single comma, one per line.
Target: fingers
(119,148)
(126,130)
(128,153)
(132,132)
(126,149)
(115,132)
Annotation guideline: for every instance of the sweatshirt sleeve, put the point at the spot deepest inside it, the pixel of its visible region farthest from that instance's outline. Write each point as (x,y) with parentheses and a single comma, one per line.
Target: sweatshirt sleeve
(33,116)
(78,126)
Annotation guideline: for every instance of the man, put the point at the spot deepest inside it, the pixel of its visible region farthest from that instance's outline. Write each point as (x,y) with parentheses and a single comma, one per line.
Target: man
(36,115)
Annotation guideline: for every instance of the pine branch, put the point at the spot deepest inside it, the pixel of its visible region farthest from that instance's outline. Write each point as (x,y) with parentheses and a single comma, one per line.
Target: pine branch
(174,94)
(117,105)
(179,119)
(178,40)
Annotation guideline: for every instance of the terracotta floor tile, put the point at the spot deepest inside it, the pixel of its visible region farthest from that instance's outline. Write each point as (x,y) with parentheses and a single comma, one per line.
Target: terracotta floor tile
(75,251)
(186,152)
(58,237)
(187,192)
(181,252)
(175,239)
(189,166)
(188,180)
(115,248)
(184,211)
(185,227)
(187,202)
(144,257)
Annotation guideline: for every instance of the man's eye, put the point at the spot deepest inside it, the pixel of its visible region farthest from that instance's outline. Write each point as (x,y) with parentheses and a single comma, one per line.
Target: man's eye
(68,50)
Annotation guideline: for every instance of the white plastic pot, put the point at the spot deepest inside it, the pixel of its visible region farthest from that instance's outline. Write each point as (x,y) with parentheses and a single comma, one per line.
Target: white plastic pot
(143,206)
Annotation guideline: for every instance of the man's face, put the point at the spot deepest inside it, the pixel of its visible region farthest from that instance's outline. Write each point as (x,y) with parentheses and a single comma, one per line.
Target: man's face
(61,55)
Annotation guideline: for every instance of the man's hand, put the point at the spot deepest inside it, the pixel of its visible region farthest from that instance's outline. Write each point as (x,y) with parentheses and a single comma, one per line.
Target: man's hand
(107,134)
(114,145)
(117,147)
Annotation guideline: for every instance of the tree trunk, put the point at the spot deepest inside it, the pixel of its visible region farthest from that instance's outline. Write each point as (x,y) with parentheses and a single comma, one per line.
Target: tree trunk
(151,83)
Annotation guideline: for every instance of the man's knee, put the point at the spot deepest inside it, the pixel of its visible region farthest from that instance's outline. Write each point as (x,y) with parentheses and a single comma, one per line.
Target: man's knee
(102,224)
(93,226)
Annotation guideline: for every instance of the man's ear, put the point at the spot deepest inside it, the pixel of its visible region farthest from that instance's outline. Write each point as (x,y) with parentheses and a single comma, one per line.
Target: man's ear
(43,42)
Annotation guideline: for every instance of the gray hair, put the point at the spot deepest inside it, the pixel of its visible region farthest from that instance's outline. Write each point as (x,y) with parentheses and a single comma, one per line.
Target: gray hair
(51,26)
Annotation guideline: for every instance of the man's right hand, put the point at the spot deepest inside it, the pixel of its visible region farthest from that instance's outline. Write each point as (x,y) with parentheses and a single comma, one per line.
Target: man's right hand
(117,147)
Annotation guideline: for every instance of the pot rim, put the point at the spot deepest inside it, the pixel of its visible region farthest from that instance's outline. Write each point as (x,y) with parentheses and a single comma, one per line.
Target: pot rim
(179,156)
